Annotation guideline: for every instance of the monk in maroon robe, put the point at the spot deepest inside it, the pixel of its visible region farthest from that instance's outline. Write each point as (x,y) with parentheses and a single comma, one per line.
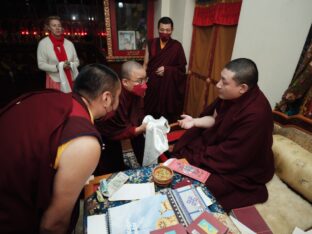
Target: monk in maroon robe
(49,148)
(165,66)
(236,147)
(127,121)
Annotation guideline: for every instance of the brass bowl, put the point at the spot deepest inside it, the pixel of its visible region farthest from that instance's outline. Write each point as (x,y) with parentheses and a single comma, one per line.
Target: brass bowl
(162,176)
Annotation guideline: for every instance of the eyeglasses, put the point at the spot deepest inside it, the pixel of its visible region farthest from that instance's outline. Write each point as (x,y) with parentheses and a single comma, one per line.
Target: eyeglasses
(140,81)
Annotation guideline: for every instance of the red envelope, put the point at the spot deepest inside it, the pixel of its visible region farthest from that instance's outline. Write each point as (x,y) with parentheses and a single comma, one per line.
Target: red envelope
(189,170)
(207,223)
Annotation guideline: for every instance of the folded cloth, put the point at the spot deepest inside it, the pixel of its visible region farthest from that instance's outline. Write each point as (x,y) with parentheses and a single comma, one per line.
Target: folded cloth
(65,87)
(156,141)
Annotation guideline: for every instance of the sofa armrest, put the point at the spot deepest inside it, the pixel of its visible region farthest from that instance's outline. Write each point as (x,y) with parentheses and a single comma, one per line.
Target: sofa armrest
(296,127)
(293,165)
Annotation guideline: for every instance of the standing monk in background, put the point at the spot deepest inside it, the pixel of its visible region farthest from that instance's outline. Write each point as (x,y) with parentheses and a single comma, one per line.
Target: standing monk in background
(165,66)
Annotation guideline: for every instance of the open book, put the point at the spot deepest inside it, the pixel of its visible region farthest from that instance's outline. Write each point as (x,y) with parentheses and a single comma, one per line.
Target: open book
(137,217)
(206,224)
(190,201)
(169,208)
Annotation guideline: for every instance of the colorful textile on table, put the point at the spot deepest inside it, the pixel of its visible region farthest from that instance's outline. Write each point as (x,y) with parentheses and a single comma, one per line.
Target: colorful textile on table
(141,175)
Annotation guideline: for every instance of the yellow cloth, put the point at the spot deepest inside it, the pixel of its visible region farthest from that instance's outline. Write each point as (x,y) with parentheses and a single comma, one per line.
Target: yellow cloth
(162,44)
(60,150)
(91,115)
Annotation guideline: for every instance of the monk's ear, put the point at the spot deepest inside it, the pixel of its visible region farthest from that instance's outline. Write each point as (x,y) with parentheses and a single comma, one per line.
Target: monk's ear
(124,82)
(106,98)
(243,88)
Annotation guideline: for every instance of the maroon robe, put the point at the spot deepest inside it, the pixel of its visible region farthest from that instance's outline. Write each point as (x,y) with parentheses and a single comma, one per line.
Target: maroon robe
(128,116)
(32,128)
(236,150)
(165,95)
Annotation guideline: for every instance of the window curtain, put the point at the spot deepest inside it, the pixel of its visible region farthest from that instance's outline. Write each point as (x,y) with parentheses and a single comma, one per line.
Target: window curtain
(297,99)
(214,30)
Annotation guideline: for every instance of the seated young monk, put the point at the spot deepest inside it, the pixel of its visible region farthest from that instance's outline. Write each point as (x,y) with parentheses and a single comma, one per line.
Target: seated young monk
(236,146)
(127,121)
(49,148)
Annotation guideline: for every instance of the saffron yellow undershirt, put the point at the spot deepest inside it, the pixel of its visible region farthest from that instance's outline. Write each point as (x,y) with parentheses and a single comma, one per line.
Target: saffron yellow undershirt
(62,147)
(162,44)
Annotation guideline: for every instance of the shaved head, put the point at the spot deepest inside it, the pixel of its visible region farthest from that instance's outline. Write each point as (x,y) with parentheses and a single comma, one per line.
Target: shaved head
(128,67)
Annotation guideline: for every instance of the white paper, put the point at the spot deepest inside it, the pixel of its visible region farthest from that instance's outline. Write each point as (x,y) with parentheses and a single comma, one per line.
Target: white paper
(205,198)
(241,227)
(169,161)
(133,192)
(300,231)
(96,224)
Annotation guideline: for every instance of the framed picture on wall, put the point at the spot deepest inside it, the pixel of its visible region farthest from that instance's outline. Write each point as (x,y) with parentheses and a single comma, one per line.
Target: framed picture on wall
(126,40)
(128,26)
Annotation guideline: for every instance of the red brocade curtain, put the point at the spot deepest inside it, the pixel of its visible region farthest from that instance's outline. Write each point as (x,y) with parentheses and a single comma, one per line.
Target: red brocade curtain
(214,30)
(217,12)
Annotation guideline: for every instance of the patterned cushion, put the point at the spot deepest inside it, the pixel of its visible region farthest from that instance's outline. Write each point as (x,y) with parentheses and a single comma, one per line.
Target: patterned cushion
(293,165)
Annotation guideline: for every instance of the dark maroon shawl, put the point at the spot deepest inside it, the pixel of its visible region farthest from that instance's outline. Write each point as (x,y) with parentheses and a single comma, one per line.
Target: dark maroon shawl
(31,131)
(236,150)
(129,115)
(165,95)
